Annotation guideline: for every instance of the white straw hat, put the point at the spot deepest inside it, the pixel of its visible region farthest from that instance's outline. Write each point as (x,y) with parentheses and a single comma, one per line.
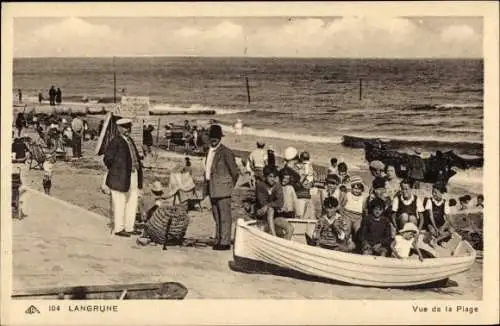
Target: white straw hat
(157,186)
(123,121)
(290,153)
(409,227)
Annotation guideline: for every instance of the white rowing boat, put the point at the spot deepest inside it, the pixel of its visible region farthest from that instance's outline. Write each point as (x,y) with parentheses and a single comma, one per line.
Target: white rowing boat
(252,243)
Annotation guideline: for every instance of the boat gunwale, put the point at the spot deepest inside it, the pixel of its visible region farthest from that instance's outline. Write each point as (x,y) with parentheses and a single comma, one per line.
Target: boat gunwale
(372,261)
(370,282)
(446,273)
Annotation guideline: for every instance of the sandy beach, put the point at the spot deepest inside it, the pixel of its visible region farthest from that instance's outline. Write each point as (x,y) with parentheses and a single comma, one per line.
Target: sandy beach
(58,245)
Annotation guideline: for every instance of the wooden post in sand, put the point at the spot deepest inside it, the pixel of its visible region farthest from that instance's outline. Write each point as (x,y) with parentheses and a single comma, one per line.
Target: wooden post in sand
(360,89)
(158,132)
(114,81)
(248,89)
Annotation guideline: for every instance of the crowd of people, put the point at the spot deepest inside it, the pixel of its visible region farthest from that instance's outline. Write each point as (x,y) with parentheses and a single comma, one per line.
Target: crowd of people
(52,136)
(391,217)
(54,95)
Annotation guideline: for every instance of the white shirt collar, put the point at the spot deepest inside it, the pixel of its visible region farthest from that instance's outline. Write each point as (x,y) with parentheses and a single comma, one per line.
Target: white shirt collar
(407,201)
(214,148)
(437,203)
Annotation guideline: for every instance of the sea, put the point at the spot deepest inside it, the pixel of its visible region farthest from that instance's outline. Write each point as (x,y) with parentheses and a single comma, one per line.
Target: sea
(309,101)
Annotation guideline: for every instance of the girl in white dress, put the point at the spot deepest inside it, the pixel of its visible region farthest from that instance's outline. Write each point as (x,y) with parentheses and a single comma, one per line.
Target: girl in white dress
(354,203)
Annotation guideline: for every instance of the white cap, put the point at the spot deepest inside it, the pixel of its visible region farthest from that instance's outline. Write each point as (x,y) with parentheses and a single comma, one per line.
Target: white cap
(123,121)
(409,227)
(290,153)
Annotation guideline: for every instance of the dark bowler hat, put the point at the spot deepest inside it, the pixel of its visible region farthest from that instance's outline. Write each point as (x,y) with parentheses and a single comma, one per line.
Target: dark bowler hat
(215,132)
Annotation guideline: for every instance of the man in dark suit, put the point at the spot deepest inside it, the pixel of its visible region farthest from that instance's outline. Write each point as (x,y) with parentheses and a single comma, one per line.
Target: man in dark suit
(221,174)
(124,178)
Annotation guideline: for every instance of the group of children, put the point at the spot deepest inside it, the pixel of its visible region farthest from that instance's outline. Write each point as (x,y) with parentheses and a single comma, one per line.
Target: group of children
(390,219)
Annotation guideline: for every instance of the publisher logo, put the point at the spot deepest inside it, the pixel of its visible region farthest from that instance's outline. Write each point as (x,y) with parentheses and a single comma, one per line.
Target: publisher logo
(32,310)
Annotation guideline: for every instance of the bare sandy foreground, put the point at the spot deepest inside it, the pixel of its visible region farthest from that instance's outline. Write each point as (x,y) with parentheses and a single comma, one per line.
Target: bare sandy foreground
(65,245)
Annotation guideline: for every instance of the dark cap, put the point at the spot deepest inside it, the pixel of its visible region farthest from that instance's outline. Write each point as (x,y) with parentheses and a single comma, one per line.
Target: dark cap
(440,186)
(268,170)
(332,179)
(342,166)
(377,203)
(378,182)
(215,132)
(330,202)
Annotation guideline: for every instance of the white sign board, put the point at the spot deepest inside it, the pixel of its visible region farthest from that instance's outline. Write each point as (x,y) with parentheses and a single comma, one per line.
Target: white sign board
(135,108)
(131,106)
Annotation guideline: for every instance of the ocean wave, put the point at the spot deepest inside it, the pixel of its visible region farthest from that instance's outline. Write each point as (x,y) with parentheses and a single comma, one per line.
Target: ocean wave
(460,105)
(268,133)
(158,108)
(467,90)
(445,106)
(462,130)
(472,179)
(362,111)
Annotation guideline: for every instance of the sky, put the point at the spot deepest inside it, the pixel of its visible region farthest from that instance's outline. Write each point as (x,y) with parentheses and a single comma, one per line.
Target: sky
(343,37)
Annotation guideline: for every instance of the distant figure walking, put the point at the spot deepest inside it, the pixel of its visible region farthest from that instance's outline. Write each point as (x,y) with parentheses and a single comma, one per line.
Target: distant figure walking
(58,96)
(147,138)
(124,178)
(20,95)
(258,160)
(77,134)
(221,174)
(40,97)
(238,129)
(52,95)
(271,157)
(99,128)
(20,123)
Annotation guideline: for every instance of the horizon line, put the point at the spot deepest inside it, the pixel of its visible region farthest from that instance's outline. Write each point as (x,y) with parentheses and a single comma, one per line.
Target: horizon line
(247,57)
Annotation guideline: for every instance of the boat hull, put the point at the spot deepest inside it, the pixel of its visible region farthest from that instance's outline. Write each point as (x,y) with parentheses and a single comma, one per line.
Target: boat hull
(253,244)
(165,291)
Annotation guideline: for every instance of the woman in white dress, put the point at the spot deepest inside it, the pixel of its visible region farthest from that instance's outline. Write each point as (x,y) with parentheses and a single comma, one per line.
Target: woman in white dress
(238,128)
(353,208)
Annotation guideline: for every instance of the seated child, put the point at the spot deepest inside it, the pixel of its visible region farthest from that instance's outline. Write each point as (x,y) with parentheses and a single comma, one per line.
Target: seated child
(333,166)
(157,190)
(375,233)
(464,202)
(345,179)
(19,150)
(333,230)
(269,200)
(354,203)
(289,197)
(480,201)
(436,214)
(452,203)
(405,242)
(332,190)
(47,173)
(247,173)
(187,168)
(407,207)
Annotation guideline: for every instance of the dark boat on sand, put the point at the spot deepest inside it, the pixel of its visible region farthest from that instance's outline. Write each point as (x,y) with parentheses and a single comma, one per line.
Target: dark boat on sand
(437,167)
(159,291)
(469,148)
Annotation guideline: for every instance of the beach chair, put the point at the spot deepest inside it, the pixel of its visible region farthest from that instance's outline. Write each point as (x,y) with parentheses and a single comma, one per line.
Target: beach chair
(15,203)
(319,176)
(197,199)
(37,156)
